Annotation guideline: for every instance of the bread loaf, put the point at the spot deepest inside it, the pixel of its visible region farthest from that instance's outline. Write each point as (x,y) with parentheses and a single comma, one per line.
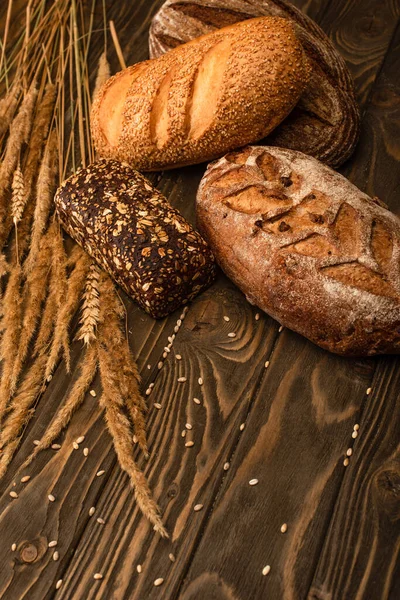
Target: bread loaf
(306,246)
(325,122)
(132,232)
(211,95)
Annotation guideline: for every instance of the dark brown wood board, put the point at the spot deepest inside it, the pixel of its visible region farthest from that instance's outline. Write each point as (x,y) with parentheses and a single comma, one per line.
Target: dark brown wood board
(299,415)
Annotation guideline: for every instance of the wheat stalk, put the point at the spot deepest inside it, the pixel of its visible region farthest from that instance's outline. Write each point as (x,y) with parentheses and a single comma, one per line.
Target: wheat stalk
(20,412)
(18,195)
(117,45)
(19,132)
(11,323)
(90,308)
(76,283)
(35,290)
(74,399)
(44,198)
(119,427)
(55,48)
(103,74)
(121,364)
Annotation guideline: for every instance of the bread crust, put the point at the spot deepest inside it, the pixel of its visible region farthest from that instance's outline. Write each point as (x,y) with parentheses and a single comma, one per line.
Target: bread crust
(135,235)
(325,123)
(306,246)
(216,93)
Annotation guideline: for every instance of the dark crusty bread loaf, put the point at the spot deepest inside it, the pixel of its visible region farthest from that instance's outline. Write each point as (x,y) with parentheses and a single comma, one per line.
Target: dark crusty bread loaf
(216,93)
(306,246)
(325,122)
(135,235)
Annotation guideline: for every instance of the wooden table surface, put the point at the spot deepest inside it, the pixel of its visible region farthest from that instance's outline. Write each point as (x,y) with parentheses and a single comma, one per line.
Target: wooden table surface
(343,523)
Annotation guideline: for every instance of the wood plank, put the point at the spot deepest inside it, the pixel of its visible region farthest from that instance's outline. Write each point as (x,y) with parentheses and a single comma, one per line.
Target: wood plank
(63,470)
(294,444)
(182,476)
(231,580)
(361,31)
(229,383)
(379,149)
(364,533)
(205,463)
(360,557)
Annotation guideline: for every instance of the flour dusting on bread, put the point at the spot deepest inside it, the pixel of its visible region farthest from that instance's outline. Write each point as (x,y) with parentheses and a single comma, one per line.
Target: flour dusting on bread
(308,246)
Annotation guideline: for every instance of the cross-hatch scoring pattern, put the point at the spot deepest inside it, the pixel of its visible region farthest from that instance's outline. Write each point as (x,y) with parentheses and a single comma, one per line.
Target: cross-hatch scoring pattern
(344,245)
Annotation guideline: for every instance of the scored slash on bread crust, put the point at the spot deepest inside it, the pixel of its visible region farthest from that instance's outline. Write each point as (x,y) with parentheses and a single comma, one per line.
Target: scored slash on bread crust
(135,235)
(306,246)
(195,103)
(325,122)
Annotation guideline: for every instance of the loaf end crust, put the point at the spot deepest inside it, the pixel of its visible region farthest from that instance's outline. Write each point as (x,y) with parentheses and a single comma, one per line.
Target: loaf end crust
(306,246)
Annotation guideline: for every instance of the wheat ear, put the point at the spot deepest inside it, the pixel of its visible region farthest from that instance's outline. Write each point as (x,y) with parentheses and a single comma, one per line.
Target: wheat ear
(103,74)
(74,399)
(119,383)
(90,308)
(57,290)
(20,412)
(45,189)
(19,132)
(75,285)
(119,427)
(11,323)
(120,362)
(8,106)
(35,291)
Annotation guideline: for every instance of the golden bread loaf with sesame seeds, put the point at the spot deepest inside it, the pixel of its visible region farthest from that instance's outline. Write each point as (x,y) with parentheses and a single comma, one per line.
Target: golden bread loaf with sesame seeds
(325,122)
(135,235)
(307,246)
(204,98)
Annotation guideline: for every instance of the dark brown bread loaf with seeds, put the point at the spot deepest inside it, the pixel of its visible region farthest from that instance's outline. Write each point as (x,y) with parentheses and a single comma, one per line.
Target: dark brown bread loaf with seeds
(306,246)
(325,122)
(193,104)
(135,235)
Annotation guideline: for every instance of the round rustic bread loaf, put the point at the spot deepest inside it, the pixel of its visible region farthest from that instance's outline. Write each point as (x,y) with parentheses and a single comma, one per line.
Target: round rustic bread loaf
(325,122)
(216,93)
(306,246)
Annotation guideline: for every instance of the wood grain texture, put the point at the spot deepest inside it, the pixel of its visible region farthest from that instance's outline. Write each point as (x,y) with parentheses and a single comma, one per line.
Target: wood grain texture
(362,32)
(66,472)
(340,574)
(361,550)
(182,476)
(367,511)
(294,443)
(379,149)
(299,415)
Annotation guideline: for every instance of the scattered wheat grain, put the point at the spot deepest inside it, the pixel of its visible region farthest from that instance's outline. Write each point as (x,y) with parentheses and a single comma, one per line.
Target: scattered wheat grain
(266,570)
